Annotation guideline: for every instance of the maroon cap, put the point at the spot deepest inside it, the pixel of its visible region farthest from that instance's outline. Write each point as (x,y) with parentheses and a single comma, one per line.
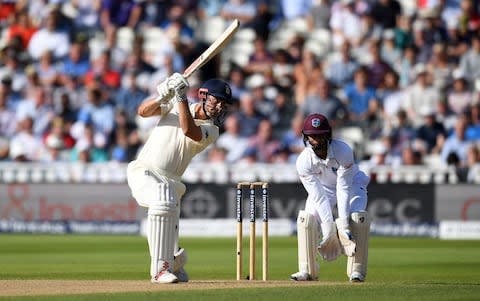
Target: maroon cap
(316,124)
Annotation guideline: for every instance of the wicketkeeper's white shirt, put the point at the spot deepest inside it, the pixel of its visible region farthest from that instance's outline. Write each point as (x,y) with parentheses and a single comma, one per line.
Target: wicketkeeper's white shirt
(168,151)
(330,181)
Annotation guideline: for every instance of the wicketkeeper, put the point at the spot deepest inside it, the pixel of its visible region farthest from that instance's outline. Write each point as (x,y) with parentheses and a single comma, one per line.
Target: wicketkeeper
(331,177)
(154,178)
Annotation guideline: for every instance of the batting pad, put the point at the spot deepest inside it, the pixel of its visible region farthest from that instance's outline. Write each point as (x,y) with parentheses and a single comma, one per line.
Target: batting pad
(360,225)
(307,235)
(162,218)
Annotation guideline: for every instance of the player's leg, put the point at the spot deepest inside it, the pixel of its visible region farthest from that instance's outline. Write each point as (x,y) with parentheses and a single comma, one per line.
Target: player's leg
(162,216)
(357,264)
(360,226)
(307,234)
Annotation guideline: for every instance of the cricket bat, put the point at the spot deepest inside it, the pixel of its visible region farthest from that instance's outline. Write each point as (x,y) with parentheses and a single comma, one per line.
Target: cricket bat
(213,49)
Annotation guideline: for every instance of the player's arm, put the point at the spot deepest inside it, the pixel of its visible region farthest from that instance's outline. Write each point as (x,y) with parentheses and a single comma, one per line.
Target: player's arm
(157,104)
(187,123)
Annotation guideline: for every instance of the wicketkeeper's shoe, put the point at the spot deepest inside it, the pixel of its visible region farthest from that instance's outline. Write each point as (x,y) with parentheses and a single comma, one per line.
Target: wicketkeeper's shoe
(357,277)
(181,275)
(301,276)
(165,277)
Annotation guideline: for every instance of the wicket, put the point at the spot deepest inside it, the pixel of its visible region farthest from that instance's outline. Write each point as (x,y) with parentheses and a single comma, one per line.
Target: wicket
(239,211)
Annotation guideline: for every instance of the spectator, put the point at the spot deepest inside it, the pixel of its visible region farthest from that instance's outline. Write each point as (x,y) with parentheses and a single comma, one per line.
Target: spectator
(102,70)
(344,24)
(460,97)
(319,16)
(402,134)
(14,70)
(389,52)
(420,94)
(47,72)
(292,140)
(118,13)
(440,68)
(263,143)
(8,120)
(473,159)
(248,115)
(377,67)
(432,133)
(385,12)
(456,144)
(98,113)
(21,27)
(410,156)
(24,145)
(323,102)
(303,73)
(231,141)
(340,72)
(261,59)
(470,61)
(50,37)
(294,9)
(39,109)
(360,98)
(237,82)
(76,64)
(129,97)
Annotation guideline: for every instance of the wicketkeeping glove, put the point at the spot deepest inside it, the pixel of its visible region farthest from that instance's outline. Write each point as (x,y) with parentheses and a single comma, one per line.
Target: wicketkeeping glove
(345,236)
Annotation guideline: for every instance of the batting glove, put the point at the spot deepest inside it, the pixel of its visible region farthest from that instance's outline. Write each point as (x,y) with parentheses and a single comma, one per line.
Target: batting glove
(179,84)
(164,92)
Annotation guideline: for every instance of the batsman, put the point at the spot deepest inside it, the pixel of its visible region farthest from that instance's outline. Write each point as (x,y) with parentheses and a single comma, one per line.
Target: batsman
(329,174)
(154,177)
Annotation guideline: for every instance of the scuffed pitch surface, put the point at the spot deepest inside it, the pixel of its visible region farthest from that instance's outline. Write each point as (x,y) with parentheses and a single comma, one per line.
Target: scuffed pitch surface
(66,287)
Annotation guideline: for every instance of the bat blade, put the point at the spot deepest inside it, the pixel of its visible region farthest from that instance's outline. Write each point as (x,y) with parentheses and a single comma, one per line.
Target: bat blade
(213,49)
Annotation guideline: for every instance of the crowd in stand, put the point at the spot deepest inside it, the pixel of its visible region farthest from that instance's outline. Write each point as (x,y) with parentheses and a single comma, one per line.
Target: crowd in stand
(407,76)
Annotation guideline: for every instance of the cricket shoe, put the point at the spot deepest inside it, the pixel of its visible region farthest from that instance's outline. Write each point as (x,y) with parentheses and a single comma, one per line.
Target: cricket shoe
(301,276)
(357,277)
(164,277)
(181,275)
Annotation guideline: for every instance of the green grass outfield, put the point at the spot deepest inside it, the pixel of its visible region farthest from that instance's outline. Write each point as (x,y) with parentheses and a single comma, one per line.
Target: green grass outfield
(399,268)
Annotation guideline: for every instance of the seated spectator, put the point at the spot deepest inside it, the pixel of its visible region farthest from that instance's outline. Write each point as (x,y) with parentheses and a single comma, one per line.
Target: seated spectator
(129,96)
(22,27)
(345,24)
(231,141)
(39,109)
(263,143)
(76,64)
(304,72)
(432,133)
(249,117)
(377,67)
(388,50)
(8,120)
(102,69)
(50,37)
(97,113)
(47,71)
(323,102)
(360,98)
(440,67)
(118,13)
(410,156)
(292,140)
(456,144)
(420,94)
(460,97)
(24,145)
(340,72)
(261,59)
